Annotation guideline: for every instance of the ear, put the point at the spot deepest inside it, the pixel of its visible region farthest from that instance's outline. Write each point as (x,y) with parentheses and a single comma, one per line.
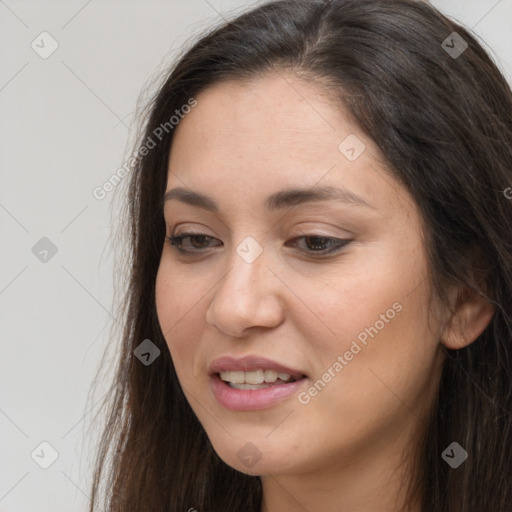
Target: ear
(471,316)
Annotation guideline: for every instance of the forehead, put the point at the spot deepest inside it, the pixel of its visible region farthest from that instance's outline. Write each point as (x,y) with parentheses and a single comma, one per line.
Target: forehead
(272,133)
(270,115)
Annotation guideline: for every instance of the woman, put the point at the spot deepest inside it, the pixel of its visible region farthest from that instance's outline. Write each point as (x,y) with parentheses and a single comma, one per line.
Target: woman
(319,308)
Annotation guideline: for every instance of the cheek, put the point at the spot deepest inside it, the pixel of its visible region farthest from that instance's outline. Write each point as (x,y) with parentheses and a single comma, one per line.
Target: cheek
(376,318)
(356,303)
(386,368)
(180,314)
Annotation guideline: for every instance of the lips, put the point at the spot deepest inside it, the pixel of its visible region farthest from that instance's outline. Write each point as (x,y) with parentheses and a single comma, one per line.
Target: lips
(249,397)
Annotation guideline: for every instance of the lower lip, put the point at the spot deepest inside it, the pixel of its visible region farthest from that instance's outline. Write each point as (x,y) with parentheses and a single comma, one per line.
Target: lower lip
(252,399)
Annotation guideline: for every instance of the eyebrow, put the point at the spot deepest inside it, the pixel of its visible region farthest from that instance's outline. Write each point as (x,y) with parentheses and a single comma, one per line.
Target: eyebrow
(279,200)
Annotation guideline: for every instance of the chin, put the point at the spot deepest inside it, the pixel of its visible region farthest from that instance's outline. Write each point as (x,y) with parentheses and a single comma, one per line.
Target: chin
(250,460)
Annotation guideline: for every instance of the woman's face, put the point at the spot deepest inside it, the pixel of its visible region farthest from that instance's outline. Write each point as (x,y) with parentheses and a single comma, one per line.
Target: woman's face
(328,284)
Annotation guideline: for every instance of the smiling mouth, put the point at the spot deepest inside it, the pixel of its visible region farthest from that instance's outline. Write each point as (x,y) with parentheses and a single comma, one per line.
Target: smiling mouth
(257,379)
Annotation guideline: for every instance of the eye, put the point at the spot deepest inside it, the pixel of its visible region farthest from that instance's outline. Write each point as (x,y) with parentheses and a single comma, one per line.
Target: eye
(323,244)
(196,241)
(314,244)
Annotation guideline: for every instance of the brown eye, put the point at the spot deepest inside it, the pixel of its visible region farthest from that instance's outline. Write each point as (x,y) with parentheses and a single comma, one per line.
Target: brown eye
(189,243)
(322,244)
(196,242)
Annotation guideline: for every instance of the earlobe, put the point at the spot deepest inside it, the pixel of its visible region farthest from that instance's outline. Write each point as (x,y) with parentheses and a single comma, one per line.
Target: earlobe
(472,315)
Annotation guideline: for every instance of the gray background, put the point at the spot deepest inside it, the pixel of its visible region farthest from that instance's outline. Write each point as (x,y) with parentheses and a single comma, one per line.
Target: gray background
(65,122)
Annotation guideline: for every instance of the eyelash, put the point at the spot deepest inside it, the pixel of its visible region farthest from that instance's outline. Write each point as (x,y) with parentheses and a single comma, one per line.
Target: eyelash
(176,241)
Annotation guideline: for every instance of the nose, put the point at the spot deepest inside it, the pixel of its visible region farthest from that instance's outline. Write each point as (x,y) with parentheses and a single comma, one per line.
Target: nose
(249,295)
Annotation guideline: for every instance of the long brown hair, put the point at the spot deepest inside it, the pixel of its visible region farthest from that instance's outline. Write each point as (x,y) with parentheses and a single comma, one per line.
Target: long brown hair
(443,121)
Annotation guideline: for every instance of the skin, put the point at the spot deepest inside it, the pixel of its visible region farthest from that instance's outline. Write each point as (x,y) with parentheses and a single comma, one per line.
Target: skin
(348,445)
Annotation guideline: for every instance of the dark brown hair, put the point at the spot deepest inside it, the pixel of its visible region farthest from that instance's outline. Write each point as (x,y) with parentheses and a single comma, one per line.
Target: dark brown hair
(444,125)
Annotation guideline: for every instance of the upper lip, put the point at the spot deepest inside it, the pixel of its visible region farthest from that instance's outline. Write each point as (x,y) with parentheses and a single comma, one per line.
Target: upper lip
(250,363)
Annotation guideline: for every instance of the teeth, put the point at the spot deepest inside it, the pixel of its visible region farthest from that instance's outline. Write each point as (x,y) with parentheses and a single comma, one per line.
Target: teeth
(270,375)
(253,378)
(234,377)
(248,386)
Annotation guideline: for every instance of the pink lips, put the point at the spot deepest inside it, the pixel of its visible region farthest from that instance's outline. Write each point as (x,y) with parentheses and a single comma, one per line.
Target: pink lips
(252,399)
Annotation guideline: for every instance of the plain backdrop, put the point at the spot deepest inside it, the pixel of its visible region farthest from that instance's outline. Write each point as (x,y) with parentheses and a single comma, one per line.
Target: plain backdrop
(65,120)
